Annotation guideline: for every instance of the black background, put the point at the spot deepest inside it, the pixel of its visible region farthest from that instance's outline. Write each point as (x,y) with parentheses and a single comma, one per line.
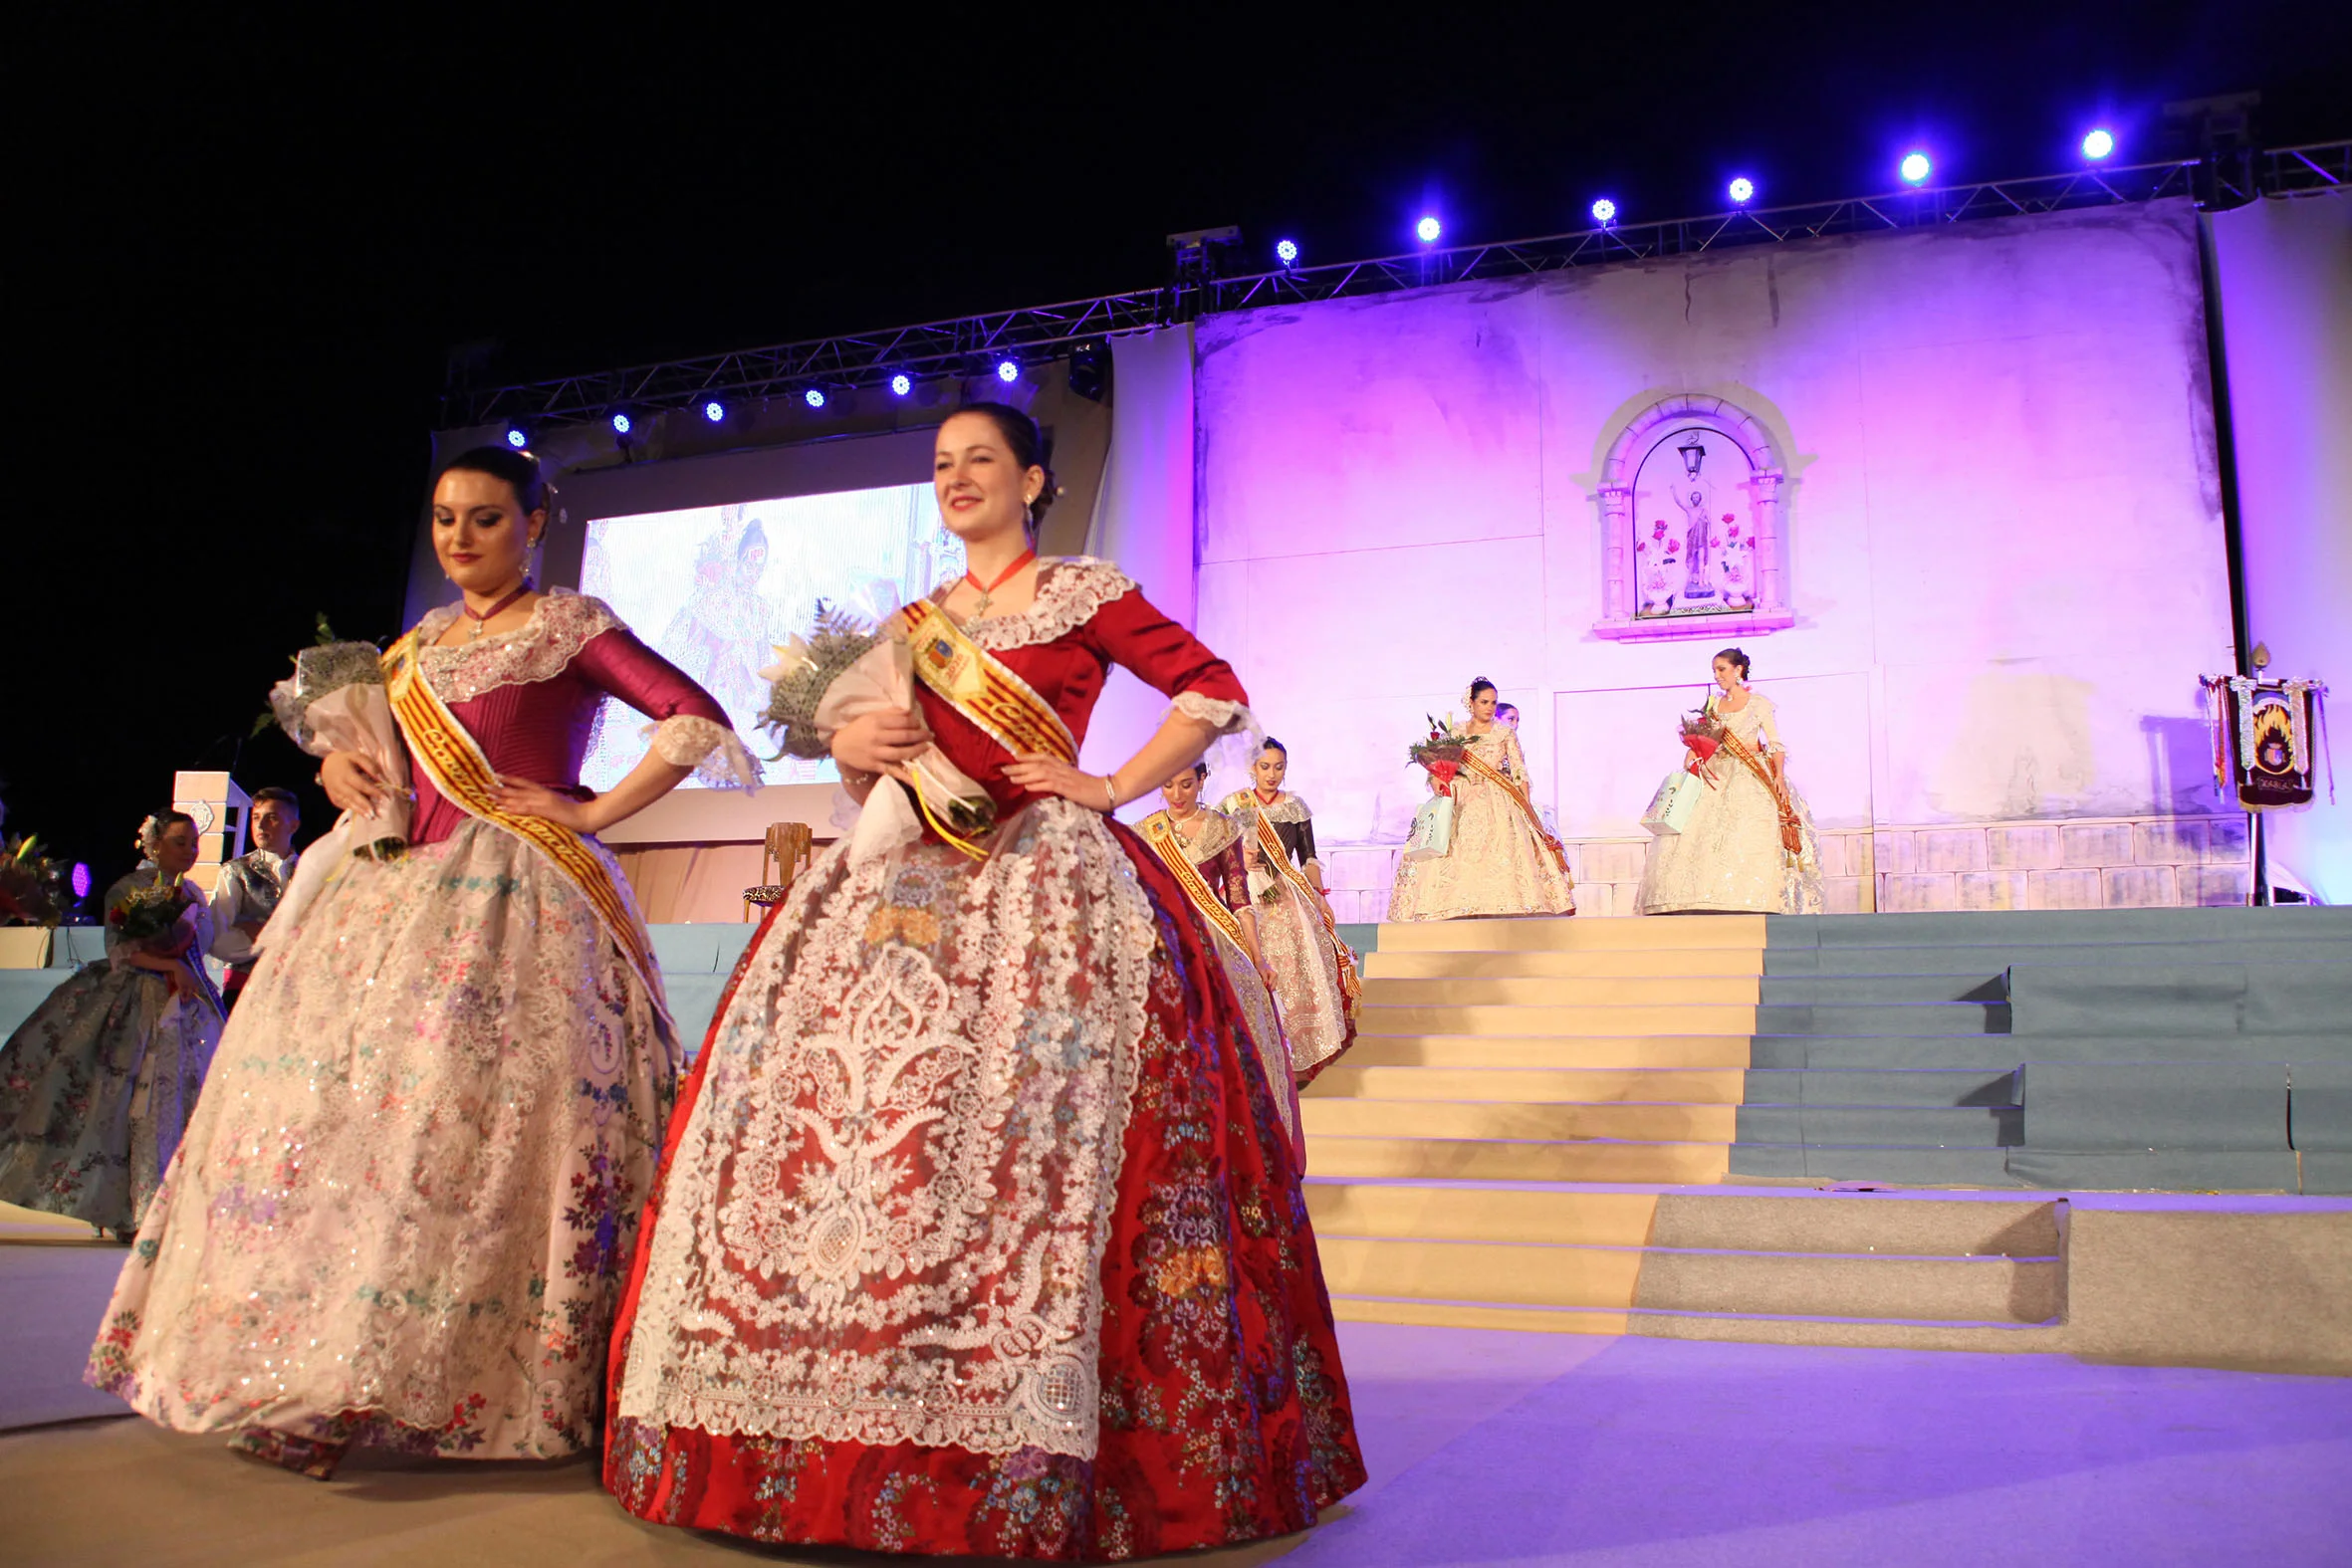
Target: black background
(243,250)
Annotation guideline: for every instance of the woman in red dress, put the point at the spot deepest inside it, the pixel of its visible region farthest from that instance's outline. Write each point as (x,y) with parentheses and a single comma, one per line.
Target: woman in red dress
(978,1231)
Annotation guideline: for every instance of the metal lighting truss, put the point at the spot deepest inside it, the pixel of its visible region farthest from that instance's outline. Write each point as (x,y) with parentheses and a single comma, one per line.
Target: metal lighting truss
(968,344)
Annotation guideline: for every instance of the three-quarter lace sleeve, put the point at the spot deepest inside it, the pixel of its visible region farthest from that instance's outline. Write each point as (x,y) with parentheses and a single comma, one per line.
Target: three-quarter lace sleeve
(690,728)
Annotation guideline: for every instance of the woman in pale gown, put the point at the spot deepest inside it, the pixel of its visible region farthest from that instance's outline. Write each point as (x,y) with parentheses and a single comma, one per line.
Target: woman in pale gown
(1748,846)
(1312,971)
(96,1084)
(1204,848)
(401,1213)
(1501,860)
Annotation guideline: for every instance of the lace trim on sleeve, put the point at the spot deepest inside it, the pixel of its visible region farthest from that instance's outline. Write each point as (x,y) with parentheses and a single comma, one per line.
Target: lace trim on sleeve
(1238,733)
(1071,590)
(715,753)
(562,623)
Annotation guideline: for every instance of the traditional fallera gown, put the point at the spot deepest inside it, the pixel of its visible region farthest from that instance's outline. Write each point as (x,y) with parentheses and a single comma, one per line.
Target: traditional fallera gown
(978,1231)
(1211,844)
(1502,860)
(402,1213)
(1312,971)
(98,1084)
(1729,857)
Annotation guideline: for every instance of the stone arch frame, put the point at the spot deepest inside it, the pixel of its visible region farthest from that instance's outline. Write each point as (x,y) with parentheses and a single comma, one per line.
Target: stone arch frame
(1772,611)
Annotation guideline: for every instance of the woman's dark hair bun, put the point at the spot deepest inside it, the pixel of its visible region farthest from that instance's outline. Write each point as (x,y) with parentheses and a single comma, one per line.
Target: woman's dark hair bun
(1482,684)
(1735,656)
(1269,743)
(519,469)
(1031,447)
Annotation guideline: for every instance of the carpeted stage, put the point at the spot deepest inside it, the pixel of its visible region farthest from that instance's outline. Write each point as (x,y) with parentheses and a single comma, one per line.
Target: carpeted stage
(1485,1446)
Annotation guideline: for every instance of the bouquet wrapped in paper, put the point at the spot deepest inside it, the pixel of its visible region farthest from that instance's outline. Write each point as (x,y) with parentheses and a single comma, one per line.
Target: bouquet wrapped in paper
(1702,737)
(148,918)
(336,702)
(1440,753)
(841,671)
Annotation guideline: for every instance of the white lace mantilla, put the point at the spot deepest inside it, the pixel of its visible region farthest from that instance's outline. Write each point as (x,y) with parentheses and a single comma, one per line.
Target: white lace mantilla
(562,623)
(886,1215)
(1071,590)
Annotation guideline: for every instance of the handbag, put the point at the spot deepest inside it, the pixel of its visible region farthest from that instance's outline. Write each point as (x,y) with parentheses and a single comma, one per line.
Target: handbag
(1433,828)
(1671,807)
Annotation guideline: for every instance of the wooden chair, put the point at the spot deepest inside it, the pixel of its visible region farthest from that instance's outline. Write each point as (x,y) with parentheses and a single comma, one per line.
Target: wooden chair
(789,846)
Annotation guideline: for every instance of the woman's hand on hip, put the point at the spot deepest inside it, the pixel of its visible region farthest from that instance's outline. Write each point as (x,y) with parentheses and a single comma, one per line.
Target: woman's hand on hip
(520,797)
(1037,774)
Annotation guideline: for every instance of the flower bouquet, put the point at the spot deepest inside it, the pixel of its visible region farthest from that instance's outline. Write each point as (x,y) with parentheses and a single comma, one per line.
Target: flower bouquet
(844,669)
(31,885)
(149,916)
(336,702)
(1440,753)
(1702,737)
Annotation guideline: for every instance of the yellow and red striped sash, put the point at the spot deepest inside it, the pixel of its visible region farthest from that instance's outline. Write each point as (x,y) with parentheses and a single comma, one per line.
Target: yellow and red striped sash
(1519,797)
(974,682)
(1161,834)
(1270,841)
(462,774)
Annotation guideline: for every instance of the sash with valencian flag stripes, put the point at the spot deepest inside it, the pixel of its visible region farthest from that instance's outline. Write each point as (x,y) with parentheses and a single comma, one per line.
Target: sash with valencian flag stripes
(463,774)
(975,684)
(1160,832)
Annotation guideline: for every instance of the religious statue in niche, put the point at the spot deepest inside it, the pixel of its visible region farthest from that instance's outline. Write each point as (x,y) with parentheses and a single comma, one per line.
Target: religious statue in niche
(1695,529)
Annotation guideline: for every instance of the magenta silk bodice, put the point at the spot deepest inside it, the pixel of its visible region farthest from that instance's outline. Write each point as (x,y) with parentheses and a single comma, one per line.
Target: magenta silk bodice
(529,698)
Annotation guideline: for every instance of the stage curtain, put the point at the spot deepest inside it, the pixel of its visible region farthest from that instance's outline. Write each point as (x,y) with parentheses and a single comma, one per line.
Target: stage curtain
(1143,519)
(2284,266)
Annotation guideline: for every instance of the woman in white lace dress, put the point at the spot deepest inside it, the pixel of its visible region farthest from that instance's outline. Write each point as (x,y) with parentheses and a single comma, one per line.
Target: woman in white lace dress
(1748,846)
(402,1209)
(1503,860)
(1312,971)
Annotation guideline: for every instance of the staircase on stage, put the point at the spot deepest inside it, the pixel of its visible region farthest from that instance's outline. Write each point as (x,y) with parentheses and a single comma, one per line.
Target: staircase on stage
(1619,1125)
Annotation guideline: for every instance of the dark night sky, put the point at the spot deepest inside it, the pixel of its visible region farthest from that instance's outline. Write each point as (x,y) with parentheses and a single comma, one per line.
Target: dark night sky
(244,248)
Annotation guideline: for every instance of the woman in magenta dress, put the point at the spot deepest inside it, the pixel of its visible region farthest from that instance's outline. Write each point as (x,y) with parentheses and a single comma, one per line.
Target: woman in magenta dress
(402,1209)
(978,1231)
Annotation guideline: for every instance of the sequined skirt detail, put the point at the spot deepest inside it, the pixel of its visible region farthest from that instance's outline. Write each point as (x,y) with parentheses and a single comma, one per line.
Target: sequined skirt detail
(1728,858)
(403,1209)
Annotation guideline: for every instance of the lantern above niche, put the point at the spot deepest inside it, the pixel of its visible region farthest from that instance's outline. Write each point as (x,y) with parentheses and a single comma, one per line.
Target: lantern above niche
(1691,525)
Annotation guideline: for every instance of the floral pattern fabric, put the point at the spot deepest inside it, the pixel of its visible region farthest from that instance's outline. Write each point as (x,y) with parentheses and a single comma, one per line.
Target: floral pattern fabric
(98,1084)
(1302,954)
(1728,858)
(1496,865)
(402,1210)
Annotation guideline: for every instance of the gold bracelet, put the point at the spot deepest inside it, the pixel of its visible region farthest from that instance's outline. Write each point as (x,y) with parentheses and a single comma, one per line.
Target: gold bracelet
(1111,794)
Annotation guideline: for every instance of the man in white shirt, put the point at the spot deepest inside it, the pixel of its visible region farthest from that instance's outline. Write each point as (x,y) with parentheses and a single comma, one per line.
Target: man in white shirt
(251,885)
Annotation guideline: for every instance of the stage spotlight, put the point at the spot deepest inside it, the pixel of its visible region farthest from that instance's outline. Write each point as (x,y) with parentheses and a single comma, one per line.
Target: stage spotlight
(1429,229)
(2098,144)
(1742,191)
(714,410)
(814,398)
(901,384)
(81,880)
(516,438)
(1007,371)
(1915,168)
(1286,251)
(1604,212)
(621,422)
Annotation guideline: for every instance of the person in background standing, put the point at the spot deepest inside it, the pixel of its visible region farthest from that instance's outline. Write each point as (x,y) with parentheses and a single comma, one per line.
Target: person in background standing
(251,885)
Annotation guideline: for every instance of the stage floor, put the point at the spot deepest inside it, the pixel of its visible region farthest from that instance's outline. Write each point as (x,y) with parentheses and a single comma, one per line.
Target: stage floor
(1485,1447)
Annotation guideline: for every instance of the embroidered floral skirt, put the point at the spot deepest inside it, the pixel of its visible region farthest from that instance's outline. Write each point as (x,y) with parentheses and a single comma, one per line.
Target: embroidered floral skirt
(1303,965)
(1728,857)
(403,1209)
(95,1089)
(979,1231)
(1496,865)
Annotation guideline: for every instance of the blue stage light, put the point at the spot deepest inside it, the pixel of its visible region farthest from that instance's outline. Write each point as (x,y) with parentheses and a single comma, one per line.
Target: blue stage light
(1286,251)
(901,384)
(1742,191)
(1604,212)
(814,398)
(1915,168)
(516,438)
(1007,371)
(2098,144)
(1429,229)
(714,410)
(620,423)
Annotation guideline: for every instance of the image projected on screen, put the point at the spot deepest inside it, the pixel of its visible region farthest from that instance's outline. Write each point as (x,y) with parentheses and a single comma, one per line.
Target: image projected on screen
(715,589)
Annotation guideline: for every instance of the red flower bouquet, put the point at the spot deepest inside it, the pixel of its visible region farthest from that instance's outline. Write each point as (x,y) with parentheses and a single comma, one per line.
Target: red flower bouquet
(1702,737)
(1440,753)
